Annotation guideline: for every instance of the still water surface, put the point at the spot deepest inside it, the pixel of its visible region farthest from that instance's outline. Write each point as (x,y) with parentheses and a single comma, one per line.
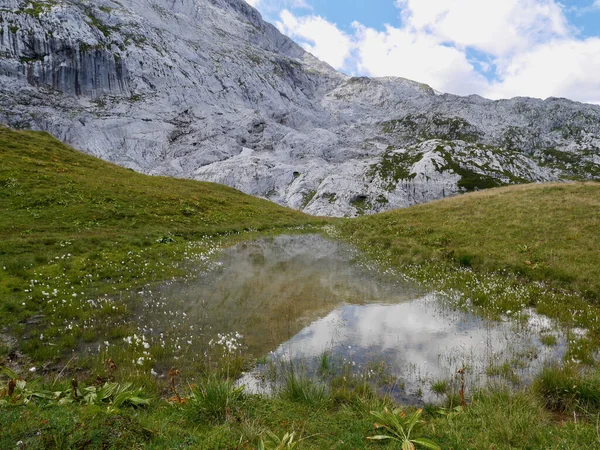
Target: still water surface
(297,297)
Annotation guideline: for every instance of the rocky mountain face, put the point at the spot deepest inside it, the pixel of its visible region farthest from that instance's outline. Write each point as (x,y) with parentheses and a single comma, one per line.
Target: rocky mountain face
(205,89)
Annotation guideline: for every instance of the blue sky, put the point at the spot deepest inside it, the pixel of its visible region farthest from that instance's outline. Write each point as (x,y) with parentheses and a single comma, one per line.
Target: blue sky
(498,49)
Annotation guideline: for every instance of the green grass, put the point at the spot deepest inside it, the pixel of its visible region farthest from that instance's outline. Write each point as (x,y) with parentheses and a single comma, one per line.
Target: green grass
(300,388)
(496,418)
(75,228)
(501,419)
(215,401)
(568,389)
(544,232)
(72,224)
(505,249)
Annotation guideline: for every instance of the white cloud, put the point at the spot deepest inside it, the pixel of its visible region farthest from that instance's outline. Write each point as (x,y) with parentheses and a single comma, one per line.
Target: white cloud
(416,56)
(318,36)
(253,2)
(495,27)
(526,47)
(561,68)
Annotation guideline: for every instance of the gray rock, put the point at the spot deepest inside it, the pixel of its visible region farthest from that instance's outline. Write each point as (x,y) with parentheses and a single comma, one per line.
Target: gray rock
(205,89)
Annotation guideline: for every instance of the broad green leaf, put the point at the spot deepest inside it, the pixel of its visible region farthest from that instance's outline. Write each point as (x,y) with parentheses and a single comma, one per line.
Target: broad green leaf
(8,372)
(382,437)
(427,443)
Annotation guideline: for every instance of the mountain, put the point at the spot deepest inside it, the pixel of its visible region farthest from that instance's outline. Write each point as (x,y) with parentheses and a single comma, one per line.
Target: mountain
(205,89)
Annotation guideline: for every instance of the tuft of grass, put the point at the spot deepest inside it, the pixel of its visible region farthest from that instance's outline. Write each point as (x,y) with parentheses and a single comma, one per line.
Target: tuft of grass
(325,363)
(567,388)
(215,401)
(440,387)
(503,370)
(299,388)
(549,340)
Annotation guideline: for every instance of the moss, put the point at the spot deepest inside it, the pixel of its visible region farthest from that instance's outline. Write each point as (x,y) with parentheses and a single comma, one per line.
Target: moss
(307,197)
(574,166)
(36,9)
(382,200)
(422,127)
(254,58)
(99,25)
(361,203)
(331,197)
(395,166)
(469,179)
(32,59)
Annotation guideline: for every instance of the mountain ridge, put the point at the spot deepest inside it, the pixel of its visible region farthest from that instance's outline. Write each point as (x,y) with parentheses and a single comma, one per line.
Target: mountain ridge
(205,89)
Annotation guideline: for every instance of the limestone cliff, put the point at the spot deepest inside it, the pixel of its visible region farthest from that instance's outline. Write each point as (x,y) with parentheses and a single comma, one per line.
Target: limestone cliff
(206,89)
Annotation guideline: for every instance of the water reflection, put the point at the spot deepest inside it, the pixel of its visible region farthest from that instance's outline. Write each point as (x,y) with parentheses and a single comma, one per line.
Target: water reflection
(296,297)
(270,289)
(422,341)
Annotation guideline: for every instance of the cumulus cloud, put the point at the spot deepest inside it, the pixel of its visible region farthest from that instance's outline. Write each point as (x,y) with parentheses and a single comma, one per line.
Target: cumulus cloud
(561,68)
(496,49)
(420,57)
(253,2)
(318,36)
(497,28)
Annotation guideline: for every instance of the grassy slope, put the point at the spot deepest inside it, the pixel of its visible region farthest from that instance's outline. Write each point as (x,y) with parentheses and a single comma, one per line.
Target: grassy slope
(52,190)
(54,200)
(547,232)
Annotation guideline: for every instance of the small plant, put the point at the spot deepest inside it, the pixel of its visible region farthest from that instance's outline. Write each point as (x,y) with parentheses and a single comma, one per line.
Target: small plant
(166,239)
(229,351)
(215,400)
(440,387)
(173,374)
(399,428)
(461,391)
(113,395)
(549,340)
(274,442)
(325,363)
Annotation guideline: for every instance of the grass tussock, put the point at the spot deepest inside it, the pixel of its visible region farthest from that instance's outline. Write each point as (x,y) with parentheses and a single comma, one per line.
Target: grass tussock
(568,388)
(215,401)
(300,388)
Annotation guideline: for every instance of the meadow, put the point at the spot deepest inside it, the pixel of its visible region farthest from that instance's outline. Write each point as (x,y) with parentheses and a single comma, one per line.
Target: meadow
(82,240)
